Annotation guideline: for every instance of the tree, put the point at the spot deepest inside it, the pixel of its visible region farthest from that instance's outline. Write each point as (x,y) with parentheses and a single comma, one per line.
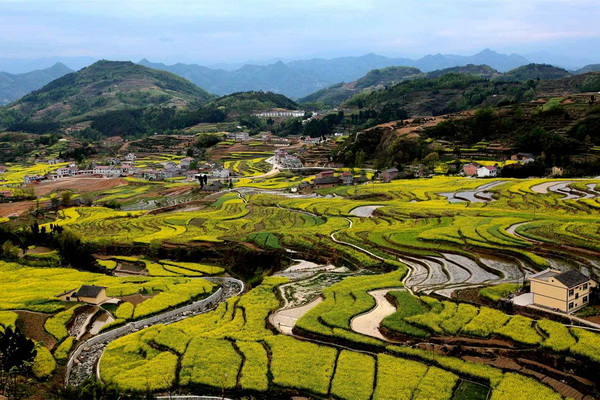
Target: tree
(16,357)
(65,198)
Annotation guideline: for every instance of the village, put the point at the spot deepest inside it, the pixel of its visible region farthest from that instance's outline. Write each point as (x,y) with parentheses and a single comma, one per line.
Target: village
(299,155)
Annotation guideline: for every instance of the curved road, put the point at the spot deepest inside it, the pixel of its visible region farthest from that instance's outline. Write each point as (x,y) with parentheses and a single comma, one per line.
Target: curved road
(84,361)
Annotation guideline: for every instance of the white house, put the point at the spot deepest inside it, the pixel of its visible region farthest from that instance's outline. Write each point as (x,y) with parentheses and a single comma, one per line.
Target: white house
(185,163)
(220,173)
(487,171)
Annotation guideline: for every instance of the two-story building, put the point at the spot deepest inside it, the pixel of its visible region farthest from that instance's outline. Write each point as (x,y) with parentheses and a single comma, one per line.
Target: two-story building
(565,291)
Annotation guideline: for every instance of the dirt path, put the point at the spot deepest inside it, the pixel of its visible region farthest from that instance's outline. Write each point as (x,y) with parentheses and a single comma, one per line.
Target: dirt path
(368,323)
(542,188)
(364,211)
(285,320)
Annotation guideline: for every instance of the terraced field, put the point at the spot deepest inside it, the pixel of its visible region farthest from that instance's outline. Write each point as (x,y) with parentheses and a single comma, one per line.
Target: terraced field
(307,329)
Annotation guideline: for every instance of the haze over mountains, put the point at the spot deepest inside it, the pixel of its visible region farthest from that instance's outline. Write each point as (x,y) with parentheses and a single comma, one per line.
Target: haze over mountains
(295,79)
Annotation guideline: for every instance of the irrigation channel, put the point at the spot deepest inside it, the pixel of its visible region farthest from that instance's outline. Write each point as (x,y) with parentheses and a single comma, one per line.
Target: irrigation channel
(84,362)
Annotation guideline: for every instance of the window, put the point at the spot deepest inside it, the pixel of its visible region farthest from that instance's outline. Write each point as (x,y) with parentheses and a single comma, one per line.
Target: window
(585,286)
(585,299)
(570,305)
(571,292)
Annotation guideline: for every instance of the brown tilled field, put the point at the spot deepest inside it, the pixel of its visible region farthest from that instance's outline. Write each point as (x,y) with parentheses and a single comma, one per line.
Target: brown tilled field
(79,185)
(15,209)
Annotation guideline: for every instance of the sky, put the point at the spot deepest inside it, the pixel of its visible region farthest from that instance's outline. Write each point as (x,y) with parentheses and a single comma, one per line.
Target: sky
(230,31)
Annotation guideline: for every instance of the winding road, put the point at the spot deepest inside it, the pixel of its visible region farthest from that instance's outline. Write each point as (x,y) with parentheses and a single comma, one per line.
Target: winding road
(84,361)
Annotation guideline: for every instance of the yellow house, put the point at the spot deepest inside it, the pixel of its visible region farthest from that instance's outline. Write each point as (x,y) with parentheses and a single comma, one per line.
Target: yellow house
(565,291)
(90,294)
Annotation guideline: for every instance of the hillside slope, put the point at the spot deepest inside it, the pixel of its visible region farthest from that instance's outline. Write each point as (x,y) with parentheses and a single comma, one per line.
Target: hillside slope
(375,79)
(108,86)
(15,86)
(250,102)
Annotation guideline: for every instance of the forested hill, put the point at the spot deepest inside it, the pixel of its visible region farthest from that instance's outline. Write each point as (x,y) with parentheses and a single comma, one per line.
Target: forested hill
(255,101)
(375,79)
(107,86)
(394,79)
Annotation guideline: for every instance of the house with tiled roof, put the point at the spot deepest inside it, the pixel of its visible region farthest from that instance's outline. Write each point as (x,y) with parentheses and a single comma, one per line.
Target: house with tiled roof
(90,294)
(566,291)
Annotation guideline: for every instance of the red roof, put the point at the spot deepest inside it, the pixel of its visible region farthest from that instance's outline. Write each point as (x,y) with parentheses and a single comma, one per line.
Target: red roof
(490,167)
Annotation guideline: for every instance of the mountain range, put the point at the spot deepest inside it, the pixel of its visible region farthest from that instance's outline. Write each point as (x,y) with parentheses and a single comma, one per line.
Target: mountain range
(15,86)
(295,79)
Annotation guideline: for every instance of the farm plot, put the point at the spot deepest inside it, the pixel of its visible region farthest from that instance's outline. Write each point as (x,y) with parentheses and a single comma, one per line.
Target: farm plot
(230,349)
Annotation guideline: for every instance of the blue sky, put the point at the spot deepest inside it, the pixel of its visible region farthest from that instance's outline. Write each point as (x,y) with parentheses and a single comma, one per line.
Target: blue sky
(213,31)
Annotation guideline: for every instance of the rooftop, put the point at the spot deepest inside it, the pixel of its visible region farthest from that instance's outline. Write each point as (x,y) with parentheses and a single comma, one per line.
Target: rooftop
(89,291)
(569,278)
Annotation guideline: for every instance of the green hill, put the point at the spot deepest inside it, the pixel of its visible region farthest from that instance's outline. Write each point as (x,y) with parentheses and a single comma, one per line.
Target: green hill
(534,72)
(108,86)
(254,101)
(375,79)
(483,71)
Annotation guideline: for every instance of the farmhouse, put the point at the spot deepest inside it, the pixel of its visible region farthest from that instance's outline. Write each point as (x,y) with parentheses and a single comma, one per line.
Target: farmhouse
(523,157)
(487,172)
(220,173)
(185,163)
(565,291)
(90,294)
(470,169)
(389,174)
(326,182)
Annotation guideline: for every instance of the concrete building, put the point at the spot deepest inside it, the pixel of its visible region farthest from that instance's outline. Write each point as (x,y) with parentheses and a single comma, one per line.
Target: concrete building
(487,172)
(565,291)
